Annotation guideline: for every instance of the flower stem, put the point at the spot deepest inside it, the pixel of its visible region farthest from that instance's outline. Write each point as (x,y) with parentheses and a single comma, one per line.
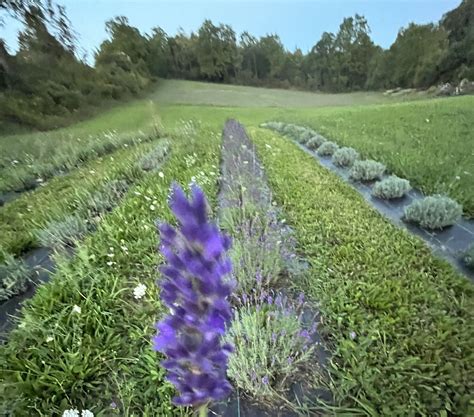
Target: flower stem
(203,411)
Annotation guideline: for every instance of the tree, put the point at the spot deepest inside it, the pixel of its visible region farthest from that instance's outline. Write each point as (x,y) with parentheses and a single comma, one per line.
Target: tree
(216,51)
(458,61)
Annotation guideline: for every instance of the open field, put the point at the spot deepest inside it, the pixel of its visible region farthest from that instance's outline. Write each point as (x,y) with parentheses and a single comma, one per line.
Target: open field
(193,92)
(394,319)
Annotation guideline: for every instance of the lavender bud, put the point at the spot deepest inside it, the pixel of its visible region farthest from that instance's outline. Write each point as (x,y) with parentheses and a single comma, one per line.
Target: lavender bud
(194,289)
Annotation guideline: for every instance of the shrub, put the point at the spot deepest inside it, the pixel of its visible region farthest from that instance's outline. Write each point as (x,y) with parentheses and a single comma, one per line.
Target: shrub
(327,148)
(305,135)
(61,234)
(367,170)
(271,345)
(106,199)
(433,212)
(154,159)
(315,142)
(345,157)
(391,187)
(468,257)
(14,277)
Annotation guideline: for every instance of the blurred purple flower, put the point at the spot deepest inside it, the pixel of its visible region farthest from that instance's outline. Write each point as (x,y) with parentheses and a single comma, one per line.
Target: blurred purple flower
(194,289)
(265,380)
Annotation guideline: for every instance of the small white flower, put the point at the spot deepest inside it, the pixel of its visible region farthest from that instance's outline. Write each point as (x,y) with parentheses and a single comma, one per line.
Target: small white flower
(124,248)
(71,413)
(110,255)
(91,171)
(49,339)
(152,207)
(76,309)
(268,146)
(139,291)
(161,175)
(87,413)
(352,335)
(136,193)
(15,162)
(427,120)
(458,177)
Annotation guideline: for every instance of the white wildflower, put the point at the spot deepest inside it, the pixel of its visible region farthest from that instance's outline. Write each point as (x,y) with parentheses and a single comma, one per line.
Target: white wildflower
(110,255)
(71,413)
(91,171)
(352,335)
(161,175)
(139,291)
(152,207)
(268,146)
(87,413)
(76,309)
(49,339)
(110,263)
(458,177)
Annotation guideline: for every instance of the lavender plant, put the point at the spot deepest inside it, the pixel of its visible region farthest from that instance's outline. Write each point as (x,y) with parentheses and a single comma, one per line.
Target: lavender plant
(367,170)
(345,157)
(391,187)
(468,257)
(271,344)
(327,148)
(433,212)
(315,142)
(14,276)
(195,289)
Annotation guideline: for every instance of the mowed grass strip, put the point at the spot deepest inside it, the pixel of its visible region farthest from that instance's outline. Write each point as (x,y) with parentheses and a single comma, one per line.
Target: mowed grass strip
(59,359)
(429,142)
(63,195)
(399,321)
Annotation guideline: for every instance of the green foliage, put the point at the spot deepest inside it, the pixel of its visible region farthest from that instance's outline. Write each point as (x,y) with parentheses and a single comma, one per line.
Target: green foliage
(269,350)
(315,142)
(255,249)
(433,212)
(103,353)
(375,284)
(106,199)
(367,170)
(327,148)
(14,277)
(345,157)
(64,233)
(63,195)
(38,163)
(391,187)
(468,257)
(154,159)
(410,139)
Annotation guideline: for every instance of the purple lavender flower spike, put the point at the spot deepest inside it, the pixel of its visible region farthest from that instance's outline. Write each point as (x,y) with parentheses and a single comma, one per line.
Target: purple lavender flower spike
(195,289)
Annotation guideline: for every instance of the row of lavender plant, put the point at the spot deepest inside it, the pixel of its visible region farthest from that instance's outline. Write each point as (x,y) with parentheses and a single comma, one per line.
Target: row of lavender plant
(271,344)
(228,318)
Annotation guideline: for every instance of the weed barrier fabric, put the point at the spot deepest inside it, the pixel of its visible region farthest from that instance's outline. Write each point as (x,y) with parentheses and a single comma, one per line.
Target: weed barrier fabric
(448,243)
(41,264)
(239,161)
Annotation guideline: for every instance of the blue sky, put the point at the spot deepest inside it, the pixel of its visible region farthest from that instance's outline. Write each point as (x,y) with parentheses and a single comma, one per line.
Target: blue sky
(298,23)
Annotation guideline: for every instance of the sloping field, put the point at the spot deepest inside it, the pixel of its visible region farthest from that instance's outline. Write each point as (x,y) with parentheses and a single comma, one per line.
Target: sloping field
(394,322)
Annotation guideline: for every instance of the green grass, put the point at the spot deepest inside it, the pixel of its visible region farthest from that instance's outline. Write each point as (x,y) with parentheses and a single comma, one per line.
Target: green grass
(27,157)
(61,196)
(58,359)
(199,93)
(411,313)
(428,142)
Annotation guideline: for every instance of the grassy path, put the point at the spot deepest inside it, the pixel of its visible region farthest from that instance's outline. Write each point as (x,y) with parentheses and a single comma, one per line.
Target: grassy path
(399,321)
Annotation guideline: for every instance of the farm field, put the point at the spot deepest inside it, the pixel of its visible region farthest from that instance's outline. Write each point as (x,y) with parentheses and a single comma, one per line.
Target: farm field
(393,319)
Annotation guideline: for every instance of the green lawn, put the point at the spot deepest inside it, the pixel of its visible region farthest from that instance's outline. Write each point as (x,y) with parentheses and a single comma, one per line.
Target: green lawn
(429,142)
(193,92)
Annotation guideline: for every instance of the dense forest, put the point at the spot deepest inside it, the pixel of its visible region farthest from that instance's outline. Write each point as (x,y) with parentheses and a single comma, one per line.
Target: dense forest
(45,83)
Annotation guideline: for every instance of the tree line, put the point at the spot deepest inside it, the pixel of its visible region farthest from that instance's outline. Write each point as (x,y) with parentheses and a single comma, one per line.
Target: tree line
(45,81)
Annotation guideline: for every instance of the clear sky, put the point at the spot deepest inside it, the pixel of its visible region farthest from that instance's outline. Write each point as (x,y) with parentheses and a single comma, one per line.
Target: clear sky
(299,23)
